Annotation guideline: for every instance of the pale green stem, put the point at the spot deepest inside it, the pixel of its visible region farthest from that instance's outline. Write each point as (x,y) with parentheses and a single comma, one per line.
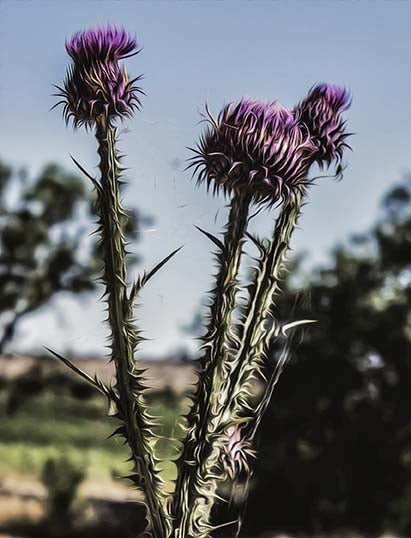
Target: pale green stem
(235,405)
(124,337)
(249,359)
(219,344)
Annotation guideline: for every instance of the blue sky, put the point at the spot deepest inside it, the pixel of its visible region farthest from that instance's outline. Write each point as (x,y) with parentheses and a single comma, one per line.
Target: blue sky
(195,51)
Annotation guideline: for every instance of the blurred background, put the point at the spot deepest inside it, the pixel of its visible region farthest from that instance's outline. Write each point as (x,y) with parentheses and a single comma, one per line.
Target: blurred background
(335,446)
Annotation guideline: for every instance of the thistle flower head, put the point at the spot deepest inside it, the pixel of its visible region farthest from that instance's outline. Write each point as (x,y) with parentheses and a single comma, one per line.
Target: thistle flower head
(320,113)
(256,146)
(96,86)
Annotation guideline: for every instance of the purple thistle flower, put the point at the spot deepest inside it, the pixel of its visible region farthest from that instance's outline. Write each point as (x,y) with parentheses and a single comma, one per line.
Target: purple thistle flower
(256,146)
(105,44)
(96,86)
(320,114)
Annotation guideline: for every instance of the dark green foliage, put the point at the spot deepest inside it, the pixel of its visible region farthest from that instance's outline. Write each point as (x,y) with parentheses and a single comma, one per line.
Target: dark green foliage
(44,241)
(335,445)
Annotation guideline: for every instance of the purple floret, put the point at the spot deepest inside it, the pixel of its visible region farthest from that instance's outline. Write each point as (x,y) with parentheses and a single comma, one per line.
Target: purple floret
(96,86)
(105,44)
(320,113)
(256,146)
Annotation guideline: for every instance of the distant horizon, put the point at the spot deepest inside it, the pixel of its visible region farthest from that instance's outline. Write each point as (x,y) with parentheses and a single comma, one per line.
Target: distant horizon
(178,356)
(193,52)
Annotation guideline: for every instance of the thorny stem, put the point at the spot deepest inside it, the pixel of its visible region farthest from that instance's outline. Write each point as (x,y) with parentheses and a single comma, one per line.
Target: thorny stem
(124,336)
(234,408)
(219,344)
(256,341)
(260,305)
(252,427)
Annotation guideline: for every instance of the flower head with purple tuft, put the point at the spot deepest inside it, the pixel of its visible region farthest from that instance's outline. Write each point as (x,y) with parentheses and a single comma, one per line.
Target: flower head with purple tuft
(268,149)
(256,146)
(96,87)
(320,115)
(107,44)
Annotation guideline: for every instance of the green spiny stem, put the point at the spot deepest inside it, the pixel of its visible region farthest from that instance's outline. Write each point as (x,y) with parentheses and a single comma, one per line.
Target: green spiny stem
(219,344)
(235,409)
(257,340)
(124,335)
(236,509)
(250,356)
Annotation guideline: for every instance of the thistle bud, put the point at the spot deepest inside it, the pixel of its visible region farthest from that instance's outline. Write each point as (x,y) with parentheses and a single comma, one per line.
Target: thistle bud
(96,86)
(237,453)
(256,146)
(320,113)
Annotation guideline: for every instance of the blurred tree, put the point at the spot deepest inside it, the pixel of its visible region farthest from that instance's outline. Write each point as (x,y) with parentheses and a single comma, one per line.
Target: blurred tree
(45,243)
(335,445)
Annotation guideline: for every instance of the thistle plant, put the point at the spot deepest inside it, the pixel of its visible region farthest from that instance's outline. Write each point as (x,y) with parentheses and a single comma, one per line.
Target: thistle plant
(97,93)
(226,414)
(320,117)
(260,155)
(256,152)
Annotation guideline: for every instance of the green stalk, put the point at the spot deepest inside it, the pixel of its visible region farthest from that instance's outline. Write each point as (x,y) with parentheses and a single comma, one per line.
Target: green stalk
(238,502)
(250,358)
(235,407)
(219,344)
(124,336)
